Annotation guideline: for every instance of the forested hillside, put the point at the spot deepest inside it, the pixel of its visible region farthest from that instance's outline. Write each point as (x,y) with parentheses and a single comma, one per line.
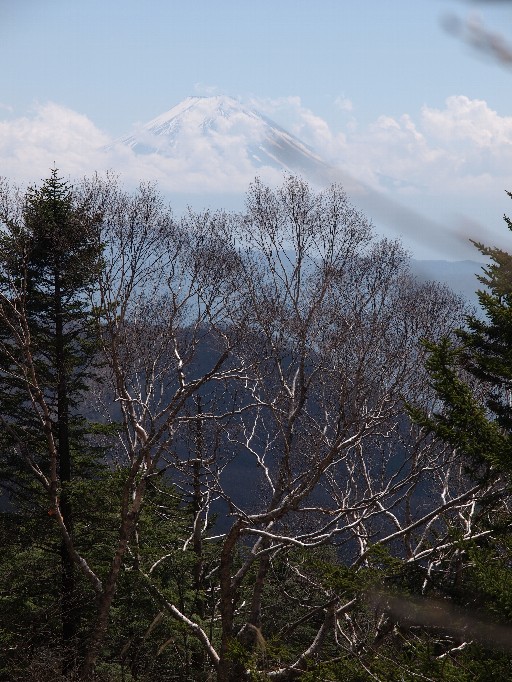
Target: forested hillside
(245,446)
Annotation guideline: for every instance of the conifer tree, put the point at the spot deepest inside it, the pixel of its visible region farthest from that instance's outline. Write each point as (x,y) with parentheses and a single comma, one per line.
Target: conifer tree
(473,378)
(49,257)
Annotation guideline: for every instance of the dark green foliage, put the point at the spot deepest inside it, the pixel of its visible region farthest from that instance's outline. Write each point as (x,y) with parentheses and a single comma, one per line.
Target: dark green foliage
(144,642)
(473,379)
(465,421)
(49,257)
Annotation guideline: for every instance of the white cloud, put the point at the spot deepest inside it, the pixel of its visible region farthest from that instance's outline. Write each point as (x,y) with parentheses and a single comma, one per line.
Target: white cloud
(306,125)
(55,135)
(52,135)
(468,120)
(463,147)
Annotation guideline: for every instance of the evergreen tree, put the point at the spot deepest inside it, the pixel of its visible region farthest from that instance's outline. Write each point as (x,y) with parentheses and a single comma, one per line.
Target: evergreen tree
(49,257)
(473,378)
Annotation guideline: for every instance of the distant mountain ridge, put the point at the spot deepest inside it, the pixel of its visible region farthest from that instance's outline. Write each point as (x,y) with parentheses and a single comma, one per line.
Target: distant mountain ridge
(460,276)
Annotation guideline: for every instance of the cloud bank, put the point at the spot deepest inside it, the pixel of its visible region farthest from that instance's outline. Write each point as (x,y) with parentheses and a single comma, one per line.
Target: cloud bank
(50,135)
(463,147)
(444,157)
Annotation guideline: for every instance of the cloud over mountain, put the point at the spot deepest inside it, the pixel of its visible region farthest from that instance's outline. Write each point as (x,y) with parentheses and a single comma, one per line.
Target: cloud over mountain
(432,163)
(222,144)
(215,144)
(463,146)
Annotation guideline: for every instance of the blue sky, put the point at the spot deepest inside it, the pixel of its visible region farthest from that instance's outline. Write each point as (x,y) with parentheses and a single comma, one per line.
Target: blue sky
(377,86)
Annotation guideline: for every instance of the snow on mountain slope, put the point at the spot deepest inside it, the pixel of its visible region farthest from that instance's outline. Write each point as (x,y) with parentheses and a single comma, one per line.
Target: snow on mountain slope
(209,150)
(224,131)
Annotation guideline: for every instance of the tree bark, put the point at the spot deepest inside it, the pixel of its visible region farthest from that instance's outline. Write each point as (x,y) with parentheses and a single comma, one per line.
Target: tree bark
(69,611)
(228,598)
(129,518)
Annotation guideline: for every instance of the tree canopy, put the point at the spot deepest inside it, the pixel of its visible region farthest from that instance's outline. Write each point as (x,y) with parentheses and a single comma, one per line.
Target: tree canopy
(212,470)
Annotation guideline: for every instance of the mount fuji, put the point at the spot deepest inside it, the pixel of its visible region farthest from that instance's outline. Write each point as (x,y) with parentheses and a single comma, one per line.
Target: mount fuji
(208,150)
(222,129)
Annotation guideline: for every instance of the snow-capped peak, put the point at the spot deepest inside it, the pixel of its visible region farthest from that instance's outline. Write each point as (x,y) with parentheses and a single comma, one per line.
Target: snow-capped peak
(223,126)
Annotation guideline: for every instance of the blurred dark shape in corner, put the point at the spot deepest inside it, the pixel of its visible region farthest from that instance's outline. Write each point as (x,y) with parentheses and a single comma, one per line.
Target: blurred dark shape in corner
(439,614)
(474,33)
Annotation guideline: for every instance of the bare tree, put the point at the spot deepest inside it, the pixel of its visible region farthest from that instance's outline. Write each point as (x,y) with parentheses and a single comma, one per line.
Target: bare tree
(161,300)
(328,323)
(157,296)
(261,361)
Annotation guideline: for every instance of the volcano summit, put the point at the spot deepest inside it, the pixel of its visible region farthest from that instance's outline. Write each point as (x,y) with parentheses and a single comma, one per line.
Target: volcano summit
(222,128)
